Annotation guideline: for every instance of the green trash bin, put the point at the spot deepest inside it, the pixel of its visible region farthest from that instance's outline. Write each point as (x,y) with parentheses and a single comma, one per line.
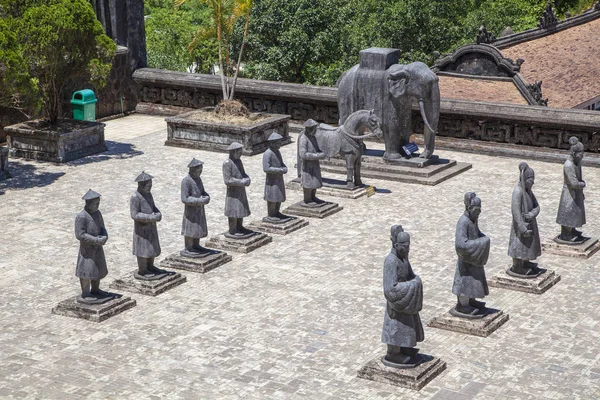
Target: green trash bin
(83,104)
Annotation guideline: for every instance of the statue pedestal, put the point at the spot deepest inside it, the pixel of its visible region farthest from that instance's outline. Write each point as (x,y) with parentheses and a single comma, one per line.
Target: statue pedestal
(332,187)
(150,288)
(537,285)
(324,210)
(584,250)
(246,245)
(200,265)
(411,378)
(93,312)
(279,229)
(479,327)
(410,170)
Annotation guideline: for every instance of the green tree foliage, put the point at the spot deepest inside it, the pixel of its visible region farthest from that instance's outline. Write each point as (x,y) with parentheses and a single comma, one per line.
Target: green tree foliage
(59,41)
(314,41)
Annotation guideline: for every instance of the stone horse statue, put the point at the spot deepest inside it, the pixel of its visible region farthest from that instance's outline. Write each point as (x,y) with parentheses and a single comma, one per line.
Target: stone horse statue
(346,141)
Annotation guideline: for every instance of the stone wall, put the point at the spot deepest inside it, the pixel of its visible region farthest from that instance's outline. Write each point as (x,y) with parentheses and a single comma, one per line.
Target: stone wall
(170,93)
(120,86)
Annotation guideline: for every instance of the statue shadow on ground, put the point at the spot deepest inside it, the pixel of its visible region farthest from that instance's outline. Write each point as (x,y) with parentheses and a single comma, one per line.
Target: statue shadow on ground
(24,176)
(116,150)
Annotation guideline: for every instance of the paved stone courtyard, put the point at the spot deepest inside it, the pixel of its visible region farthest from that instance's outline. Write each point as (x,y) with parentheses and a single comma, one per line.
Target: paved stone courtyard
(294,319)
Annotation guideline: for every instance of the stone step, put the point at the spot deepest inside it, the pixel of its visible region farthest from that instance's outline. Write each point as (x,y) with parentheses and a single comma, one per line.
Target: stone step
(441,176)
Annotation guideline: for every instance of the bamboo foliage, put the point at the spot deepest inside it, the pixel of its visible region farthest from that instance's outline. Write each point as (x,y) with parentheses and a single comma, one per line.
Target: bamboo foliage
(224,15)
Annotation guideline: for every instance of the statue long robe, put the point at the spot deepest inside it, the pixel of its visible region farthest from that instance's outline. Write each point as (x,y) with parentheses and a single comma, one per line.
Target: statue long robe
(145,233)
(571,211)
(520,247)
(236,202)
(195,198)
(472,248)
(274,184)
(91,263)
(403,291)
(311,168)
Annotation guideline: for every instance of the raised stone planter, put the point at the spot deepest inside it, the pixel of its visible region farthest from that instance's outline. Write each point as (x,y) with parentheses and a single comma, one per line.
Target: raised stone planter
(182,131)
(4,163)
(73,140)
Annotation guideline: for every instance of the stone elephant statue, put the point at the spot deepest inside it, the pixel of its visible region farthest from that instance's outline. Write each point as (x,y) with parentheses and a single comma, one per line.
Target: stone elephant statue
(346,141)
(379,82)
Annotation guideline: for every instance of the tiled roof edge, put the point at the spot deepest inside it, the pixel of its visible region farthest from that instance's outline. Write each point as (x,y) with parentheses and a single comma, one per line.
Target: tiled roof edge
(532,34)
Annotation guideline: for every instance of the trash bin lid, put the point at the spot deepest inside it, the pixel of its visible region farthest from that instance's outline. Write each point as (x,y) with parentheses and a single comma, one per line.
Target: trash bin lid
(84,96)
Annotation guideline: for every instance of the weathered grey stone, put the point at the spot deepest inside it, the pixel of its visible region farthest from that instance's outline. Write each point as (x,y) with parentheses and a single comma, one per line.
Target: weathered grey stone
(403,291)
(245,245)
(183,131)
(236,201)
(279,228)
(201,264)
(483,327)
(322,210)
(484,125)
(472,248)
(193,195)
(274,169)
(571,209)
(130,283)
(411,378)
(4,163)
(524,243)
(332,187)
(422,171)
(537,284)
(93,312)
(30,140)
(583,250)
(345,142)
(378,82)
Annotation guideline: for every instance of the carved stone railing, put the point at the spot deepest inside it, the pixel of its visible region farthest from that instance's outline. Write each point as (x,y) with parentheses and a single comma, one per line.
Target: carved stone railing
(170,93)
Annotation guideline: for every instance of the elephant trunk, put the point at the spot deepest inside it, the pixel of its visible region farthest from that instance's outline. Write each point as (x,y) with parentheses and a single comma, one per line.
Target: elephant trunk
(424,116)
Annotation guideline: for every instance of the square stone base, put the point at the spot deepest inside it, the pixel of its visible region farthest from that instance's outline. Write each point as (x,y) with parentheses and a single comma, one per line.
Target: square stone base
(325,210)
(537,285)
(332,187)
(239,245)
(93,312)
(279,229)
(200,265)
(584,250)
(410,378)
(479,327)
(150,288)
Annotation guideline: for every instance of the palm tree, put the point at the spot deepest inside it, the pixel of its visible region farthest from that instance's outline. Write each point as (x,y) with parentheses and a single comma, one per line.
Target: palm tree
(224,15)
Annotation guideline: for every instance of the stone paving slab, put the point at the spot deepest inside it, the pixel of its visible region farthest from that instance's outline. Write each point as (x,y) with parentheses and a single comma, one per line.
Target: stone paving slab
(93,312)
(148,287)
(538,285)
(200,265)
(583,250)
(292,320)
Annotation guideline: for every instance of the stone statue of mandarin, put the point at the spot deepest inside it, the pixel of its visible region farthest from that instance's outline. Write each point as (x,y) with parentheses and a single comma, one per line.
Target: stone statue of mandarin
(472,248)
(194,226)
(571,211)
(524,244)
(403,290)
(310,154)
(91,263)
(145,215)
(274,168)
(236,201)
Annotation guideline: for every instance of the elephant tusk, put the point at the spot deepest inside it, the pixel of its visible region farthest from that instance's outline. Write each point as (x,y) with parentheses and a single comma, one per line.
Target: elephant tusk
(424,116)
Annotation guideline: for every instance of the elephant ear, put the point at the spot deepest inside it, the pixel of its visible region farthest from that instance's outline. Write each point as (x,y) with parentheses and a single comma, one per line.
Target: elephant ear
(397,82)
